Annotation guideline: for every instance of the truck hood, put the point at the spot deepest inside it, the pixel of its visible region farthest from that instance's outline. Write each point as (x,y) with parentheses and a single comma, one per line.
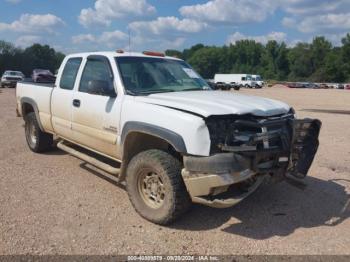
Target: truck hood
(208,103)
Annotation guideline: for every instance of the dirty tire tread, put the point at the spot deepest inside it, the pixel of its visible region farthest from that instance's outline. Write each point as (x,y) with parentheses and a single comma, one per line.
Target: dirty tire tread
(172,167)
(44,140)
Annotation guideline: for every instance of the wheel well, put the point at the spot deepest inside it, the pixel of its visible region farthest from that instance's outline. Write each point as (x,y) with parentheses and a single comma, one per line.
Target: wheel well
(137,142)
(26,109)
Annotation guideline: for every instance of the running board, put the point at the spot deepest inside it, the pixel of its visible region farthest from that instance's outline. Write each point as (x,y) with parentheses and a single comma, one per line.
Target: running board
(89,159)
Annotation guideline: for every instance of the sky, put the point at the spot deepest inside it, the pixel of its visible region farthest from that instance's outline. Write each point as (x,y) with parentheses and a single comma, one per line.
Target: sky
(95,25)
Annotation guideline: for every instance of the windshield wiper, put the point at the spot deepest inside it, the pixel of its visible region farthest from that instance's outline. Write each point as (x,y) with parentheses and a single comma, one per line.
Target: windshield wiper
(149,92)
(193,89)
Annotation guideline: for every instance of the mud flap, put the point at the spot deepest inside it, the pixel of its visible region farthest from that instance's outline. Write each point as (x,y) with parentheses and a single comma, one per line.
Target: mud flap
(304,146)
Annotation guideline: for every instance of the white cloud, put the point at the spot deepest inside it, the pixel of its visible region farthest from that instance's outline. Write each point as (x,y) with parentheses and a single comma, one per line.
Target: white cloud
(277,36)
(302,7)
(105,11)
(156,43)
(77,39)
(167,25)
(320,23)
(164,32)
(230,11)
(29,23)
(113,39)
(28,40)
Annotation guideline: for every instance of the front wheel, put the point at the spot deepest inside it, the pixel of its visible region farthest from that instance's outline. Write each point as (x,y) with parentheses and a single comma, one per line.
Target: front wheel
(37,140)
(155,186)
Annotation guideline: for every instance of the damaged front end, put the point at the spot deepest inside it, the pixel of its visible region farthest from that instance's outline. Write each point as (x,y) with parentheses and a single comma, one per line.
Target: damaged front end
(245,150)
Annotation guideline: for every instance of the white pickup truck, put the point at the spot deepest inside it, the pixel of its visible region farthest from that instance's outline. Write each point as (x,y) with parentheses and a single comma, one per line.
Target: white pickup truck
(153,122)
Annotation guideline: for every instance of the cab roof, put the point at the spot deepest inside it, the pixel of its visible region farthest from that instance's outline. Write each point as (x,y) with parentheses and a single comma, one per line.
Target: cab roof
(119,54)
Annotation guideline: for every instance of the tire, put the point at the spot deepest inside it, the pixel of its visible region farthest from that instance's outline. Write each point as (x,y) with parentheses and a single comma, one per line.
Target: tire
(237,88)
(37,140)
(156,170)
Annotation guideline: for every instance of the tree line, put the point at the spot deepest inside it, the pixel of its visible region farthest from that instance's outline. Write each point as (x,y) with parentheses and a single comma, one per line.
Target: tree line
(25,60)
(318,61)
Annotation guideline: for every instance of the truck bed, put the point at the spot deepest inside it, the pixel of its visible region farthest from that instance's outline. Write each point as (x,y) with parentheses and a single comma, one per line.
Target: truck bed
(39,96)
(30,81)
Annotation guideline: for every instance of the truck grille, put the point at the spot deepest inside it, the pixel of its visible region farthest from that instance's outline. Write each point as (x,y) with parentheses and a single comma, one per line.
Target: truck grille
(12,79)
(249,133)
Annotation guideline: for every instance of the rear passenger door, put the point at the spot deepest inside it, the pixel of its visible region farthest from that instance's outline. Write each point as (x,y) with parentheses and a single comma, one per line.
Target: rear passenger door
(61,100)
(96,107)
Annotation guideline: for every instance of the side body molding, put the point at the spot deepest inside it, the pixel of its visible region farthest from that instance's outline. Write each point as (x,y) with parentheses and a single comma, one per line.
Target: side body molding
(30,101)
(171,137)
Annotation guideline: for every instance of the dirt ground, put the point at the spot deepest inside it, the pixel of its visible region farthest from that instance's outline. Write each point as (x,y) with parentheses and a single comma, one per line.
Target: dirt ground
(54,204)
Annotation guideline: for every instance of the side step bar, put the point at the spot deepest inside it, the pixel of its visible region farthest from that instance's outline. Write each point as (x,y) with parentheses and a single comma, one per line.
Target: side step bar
(89,159)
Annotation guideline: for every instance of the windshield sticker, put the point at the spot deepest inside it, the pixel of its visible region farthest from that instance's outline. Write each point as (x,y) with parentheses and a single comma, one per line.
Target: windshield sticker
(190,72)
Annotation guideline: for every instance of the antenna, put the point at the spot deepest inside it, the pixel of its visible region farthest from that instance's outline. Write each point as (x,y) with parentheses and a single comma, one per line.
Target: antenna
(129,40)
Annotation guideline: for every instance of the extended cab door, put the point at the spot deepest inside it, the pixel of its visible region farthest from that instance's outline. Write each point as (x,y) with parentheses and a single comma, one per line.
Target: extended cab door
(96,107)
(61,100)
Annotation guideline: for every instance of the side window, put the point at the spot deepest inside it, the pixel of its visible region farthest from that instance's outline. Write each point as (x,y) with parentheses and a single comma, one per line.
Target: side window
(97,78)
(243,78)
(70,72)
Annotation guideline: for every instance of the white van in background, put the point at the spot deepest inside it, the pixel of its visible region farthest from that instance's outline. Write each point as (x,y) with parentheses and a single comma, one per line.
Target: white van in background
(259,81)
(243,80)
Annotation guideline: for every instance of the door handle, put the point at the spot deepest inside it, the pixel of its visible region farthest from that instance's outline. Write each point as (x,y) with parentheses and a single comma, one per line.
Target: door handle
(76,102)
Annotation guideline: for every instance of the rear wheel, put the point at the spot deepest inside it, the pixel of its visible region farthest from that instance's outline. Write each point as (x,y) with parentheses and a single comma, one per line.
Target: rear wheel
(37,140)
(155,187)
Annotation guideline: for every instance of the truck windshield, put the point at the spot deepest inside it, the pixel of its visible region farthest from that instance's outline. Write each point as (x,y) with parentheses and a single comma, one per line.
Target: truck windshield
(146,75)
(258,78)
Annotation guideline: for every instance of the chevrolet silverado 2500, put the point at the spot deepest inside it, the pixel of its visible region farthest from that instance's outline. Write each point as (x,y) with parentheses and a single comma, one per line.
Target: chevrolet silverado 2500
(156,125)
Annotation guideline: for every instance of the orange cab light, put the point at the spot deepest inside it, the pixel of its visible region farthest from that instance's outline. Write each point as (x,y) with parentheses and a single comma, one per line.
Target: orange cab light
(150,53)
(120,51)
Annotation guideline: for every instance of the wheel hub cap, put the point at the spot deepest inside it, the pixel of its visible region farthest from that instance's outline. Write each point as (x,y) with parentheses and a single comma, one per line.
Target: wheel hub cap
(151,188)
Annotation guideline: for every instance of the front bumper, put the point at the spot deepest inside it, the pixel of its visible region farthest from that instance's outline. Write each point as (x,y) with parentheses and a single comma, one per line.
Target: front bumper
(213,175)
(9,83)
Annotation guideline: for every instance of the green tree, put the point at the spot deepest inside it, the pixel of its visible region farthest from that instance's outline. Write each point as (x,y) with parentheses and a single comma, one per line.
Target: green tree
(346,55)
(300,61)
(174,53)
(206,61)
(334,68)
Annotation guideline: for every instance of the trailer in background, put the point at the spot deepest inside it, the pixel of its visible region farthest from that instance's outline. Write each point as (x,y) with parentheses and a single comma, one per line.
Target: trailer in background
(242,80)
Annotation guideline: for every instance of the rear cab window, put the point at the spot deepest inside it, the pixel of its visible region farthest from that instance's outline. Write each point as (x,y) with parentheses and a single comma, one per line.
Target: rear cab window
(70,72)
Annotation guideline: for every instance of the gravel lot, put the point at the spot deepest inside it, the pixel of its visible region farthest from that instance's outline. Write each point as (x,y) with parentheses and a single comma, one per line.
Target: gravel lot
(55,204)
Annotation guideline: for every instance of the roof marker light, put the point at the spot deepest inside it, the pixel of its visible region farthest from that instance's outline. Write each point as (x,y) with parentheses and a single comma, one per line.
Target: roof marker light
(150,53)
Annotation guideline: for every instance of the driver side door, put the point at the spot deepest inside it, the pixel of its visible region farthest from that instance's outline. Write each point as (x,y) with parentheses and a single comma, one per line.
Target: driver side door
(96,107)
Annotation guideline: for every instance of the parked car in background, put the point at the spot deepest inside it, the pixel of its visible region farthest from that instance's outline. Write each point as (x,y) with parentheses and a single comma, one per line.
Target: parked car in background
(43,76)
(339,86)
(235,86)
(295,85)
(10,78)
(324,86)
(222,86)
(347,86)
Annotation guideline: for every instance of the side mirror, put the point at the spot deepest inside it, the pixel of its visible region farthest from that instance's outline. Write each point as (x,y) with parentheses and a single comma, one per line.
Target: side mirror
(100,87)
